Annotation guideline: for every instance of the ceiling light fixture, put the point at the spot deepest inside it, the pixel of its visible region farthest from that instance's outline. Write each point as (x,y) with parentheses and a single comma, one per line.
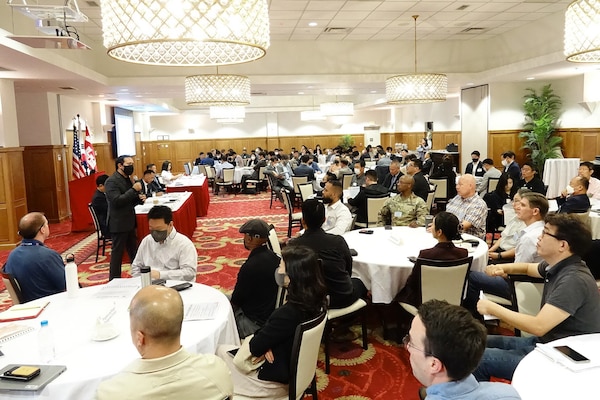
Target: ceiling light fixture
(185,32)
(582,31)
(217,90)
(312,115)
(416,88)
(337,109)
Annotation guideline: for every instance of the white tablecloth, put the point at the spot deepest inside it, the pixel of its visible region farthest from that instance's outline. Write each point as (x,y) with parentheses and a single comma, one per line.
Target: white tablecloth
(173,200)
(540,377)
(241,171)
(89,362)
(383,266)
(558,172)
(594,215)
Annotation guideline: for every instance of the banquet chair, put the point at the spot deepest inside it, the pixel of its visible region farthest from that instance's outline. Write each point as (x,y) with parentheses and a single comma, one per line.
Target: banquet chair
(441,190)
(441,280)
(306,190)
(430,197)
(271,189)
(356,308)
(12,287)
(374,204)
(260,181)
(527,296)
(303,364)
(296,181)
(210,176)
(228,174)
(346,181)
(492,183)
(294,219)
(202,169)
(273,241)
(102,240)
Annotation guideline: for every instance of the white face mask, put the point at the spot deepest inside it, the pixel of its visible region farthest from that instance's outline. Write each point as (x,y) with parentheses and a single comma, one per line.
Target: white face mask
(570,189)
(357,171)
(504,163)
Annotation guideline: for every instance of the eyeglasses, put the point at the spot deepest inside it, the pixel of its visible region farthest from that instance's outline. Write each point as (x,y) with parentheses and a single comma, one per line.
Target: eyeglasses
(545,232)
(407,344)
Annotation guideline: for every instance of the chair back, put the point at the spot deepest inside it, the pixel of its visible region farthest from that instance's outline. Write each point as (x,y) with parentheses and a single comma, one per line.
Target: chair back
(12,286)
(287,201)
(444,280)
(95,219)
(273,242)
(346,181)
(441,189)
(492,184)
(306,190)
(584,218)
(297,181)
(370,164)
(246,161)
(527,295)
(374,204)
(228,174)
(202,169)
(209,171)
(261,173)
(305,352)
(430,197)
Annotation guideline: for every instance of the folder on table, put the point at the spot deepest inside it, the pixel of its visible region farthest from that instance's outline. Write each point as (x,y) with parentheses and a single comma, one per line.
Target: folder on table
(23,311)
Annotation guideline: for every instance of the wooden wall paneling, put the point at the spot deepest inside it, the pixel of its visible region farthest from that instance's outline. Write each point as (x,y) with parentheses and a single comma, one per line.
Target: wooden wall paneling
(13,200)
(59,155)
(104,160)
(273,143)
(163,152)
(183,152)
(388,139)
(501,141)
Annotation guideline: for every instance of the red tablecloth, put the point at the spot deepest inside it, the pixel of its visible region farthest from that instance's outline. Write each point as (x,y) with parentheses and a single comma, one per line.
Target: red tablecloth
(81,192)
(199,189)
(184,220)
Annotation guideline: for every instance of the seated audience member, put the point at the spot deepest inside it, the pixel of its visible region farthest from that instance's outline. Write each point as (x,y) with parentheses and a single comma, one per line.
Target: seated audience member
(199,159)
(370,189)
(511,166)
(508,237)
(358,179)
(445,344)
(470,209)
(220,166)
(304,169)
(170,254)
(391,179)
(147,181)
(490,172)
(279,181)
(337,216)
(570,301)
(39,270)
(574,199)
(586,169)
(384,159)
(444,229)
(255,291)
(208,160)
(314,164)
(475,167)
(333,250)
(100,204)
(166,174)
(496,199)
(532,210)
(427,164)
(237,159)
(404,209)
(166,369)
(407,159)
(157,183)
(531,179)
(260,162)
(300,272)
(344,169)
(445,170)
(421,187)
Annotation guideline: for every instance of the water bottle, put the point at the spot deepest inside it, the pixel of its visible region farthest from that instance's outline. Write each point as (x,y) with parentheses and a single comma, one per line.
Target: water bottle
(46,343)
(145,275)
(71,276)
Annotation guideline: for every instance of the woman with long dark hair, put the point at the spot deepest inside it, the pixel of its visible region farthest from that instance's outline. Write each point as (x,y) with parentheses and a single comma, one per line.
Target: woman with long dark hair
(495,200)
(301,273)
(166,174)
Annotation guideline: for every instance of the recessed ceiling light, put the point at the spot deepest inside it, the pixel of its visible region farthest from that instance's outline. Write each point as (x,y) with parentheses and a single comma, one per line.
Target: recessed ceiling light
(530,78)
(124,90)
(138,96)
(373,91)
(470,83)
(300,92)
(100,95)
(312,24)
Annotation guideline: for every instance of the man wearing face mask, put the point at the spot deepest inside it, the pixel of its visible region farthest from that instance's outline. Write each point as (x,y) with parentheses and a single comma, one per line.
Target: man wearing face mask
(358,179)
(574,199)
(475,167)
(168,253)
(253,298)
(122,195)
(511,166)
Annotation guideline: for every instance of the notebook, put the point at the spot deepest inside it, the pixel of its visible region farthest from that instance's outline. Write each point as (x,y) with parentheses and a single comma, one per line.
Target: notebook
(23,311)
(48,374)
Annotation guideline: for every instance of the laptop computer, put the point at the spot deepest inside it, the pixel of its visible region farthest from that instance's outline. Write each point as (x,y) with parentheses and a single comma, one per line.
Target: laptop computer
(47,374)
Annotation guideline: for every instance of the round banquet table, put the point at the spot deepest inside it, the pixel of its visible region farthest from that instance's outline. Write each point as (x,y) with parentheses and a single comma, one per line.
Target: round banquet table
(89,362)
(240,172)
(383,265)
(549,375)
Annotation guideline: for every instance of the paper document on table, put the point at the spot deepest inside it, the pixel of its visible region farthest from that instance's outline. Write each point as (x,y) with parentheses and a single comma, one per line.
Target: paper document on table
(486,317)
(120,287)
(559,358)
(200,311)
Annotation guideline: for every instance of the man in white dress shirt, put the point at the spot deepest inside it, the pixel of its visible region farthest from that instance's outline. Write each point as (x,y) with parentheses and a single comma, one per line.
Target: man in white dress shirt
(586,169)
(168,253)
(337,216)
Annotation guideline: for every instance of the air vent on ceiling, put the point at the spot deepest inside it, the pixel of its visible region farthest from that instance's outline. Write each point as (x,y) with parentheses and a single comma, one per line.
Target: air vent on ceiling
(337,31)
(67,88)
(258,93)
(473,30)
(92,3)
(463,7)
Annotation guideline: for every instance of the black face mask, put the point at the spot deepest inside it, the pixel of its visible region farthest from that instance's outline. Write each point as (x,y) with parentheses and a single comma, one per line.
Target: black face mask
(475,160)
(128,169)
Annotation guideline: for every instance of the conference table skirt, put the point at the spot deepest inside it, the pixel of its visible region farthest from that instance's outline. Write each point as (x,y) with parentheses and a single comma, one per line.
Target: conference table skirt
(184,220)
(382,262)
(200,195)
(89,362)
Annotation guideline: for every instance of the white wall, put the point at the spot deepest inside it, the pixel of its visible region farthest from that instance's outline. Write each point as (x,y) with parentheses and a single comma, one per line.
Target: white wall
(33,116)
(474,118)
(445,116)
(9,128)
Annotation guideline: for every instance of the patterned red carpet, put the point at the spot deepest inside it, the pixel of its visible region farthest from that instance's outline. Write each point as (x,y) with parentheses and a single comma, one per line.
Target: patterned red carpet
(380,372)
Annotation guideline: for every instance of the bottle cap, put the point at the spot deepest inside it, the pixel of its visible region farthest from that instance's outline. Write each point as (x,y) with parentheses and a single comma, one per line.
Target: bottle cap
(44,323)
(144,270)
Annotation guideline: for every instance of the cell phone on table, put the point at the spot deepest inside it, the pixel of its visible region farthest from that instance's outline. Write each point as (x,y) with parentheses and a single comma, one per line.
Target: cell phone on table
(366,231)
(232,352)
(572,354)
(388,227)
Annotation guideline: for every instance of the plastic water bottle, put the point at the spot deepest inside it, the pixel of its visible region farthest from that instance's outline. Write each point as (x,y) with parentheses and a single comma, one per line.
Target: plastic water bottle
(145,276)
(71,276)
(46,343)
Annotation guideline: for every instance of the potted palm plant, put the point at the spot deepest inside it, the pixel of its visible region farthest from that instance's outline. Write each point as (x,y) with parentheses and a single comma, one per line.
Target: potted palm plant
(542,111)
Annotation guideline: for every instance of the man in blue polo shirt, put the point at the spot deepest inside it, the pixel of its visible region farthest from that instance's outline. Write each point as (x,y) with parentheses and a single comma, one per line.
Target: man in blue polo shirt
(39,270)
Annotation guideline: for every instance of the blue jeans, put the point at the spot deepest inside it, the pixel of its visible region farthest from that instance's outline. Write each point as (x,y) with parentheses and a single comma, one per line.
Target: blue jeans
(495,285)
(502,355)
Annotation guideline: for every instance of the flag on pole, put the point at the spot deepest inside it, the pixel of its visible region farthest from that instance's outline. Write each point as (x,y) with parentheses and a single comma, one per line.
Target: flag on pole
(90,154)
(78,170)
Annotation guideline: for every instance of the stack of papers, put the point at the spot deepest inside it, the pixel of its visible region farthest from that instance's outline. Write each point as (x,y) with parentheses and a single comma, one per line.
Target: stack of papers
(200,311)
(120,287)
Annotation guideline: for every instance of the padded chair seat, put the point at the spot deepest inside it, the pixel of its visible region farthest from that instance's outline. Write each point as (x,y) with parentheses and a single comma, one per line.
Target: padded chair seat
(498,299)
(297,215)
(334,313)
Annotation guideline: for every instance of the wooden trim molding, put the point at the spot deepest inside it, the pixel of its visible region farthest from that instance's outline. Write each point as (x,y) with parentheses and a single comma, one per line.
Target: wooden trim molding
(13,196)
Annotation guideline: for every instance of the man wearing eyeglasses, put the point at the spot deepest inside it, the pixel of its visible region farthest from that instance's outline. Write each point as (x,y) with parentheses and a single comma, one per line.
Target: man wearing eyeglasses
(445,344)
(570,302)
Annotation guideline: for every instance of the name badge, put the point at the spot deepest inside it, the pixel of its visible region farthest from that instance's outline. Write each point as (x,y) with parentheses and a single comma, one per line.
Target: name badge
(397,214)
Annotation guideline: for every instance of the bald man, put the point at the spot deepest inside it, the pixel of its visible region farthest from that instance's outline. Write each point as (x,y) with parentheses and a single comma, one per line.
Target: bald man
(575,199)
(404,209)
(470,209)
(39,270)
(165,370)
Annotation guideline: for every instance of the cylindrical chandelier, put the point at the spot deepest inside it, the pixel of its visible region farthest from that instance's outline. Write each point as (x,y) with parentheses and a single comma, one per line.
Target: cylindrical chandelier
(337,109)
(185,32)
(582,31)
(217,90)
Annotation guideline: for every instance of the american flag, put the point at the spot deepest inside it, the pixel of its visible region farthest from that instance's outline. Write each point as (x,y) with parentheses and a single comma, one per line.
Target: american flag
(90,154)
(78,170)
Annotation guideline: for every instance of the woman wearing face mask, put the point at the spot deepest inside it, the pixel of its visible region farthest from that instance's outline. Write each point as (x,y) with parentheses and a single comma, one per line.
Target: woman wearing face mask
(300,272)
(166,174)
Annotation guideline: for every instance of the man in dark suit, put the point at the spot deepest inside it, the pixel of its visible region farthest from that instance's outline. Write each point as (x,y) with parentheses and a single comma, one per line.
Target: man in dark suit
(123,195)
(391,179)
(157,182)
(371,189)
(149,185)
(574,199)
(100,204)
(475,167)
(304,169)
(511,166)
(254,176)
(421,187)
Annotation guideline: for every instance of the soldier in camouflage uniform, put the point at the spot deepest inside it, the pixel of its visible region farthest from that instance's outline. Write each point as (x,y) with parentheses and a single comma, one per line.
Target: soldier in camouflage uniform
(405,209)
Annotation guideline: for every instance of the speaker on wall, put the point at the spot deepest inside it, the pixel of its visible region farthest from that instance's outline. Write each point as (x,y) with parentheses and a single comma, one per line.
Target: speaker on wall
(429,126)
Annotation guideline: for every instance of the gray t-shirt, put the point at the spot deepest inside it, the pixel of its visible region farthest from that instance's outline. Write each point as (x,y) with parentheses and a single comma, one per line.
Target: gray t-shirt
(570,286)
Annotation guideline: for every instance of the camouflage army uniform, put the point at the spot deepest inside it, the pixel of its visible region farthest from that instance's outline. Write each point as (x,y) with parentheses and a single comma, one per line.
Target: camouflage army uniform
(401,212)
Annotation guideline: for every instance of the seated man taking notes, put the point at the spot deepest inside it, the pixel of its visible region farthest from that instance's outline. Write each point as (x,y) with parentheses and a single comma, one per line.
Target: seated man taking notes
(167,252)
